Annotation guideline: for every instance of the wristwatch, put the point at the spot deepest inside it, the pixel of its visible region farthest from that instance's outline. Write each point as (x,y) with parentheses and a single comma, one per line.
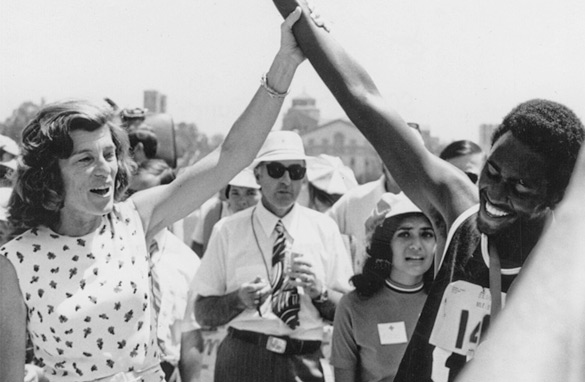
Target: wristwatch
(322,298)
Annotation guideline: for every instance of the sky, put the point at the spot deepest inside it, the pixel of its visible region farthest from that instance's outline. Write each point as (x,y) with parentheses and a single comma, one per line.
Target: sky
(448,65)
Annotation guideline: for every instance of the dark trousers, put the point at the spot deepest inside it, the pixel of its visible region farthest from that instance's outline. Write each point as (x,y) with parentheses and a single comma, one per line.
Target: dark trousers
(240,361)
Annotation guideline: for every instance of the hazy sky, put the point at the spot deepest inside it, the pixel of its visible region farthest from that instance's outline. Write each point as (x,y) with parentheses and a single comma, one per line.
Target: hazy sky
(449,65)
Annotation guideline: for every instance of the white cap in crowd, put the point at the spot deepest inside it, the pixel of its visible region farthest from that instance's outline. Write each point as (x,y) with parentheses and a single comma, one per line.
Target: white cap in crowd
(8,145)
(245,178)
(329,174)
(388,206)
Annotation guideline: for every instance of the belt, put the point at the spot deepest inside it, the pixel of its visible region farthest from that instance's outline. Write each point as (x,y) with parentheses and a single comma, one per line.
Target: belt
(277,344)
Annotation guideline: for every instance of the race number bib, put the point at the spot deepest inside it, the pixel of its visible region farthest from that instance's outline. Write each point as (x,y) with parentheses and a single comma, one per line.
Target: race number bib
(463,317)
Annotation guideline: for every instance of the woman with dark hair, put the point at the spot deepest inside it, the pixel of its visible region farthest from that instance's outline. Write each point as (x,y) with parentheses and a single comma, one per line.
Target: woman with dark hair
(466,156)
(143,143)
(374,322)
(81,255)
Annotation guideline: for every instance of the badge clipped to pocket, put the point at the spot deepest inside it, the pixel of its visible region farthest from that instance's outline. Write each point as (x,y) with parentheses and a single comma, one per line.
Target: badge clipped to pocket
(276,345)
(392,333)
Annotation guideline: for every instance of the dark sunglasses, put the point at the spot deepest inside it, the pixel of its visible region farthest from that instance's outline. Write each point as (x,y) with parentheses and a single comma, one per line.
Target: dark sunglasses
(276,170)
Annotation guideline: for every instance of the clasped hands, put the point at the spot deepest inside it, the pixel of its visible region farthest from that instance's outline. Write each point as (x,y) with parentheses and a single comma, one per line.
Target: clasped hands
(288,43)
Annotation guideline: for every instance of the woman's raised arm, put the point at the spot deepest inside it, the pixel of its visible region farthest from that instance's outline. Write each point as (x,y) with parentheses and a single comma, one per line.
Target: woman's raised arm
(161,206)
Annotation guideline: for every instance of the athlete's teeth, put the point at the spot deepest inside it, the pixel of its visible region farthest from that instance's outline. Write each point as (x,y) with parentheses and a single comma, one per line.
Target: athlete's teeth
(494,210)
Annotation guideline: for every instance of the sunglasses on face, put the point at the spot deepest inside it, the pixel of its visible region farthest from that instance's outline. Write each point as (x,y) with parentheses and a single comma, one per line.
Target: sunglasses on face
(276,170)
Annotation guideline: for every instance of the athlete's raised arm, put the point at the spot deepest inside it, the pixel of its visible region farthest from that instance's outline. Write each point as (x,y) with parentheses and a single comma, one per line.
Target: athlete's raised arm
(432,184)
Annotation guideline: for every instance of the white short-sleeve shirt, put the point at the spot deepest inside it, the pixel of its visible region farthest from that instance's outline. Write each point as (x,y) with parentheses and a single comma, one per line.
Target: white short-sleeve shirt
(240,249)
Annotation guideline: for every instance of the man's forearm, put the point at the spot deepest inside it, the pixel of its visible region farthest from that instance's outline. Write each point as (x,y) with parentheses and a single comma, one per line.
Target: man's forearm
(218,310)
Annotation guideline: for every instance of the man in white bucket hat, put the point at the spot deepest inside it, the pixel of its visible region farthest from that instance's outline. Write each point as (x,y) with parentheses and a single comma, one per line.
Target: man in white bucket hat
(274,273)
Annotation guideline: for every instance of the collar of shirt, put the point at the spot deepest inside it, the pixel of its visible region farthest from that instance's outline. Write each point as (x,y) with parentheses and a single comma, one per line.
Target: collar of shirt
(268,220)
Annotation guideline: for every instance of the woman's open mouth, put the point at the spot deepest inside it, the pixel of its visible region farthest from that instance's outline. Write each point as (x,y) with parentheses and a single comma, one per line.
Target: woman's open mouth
(100,191)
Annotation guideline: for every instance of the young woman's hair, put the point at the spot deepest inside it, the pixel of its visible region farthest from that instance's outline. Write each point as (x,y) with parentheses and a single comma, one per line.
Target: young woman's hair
(144,134)
(551,130)
(378,264)
(39,191)
(158,168)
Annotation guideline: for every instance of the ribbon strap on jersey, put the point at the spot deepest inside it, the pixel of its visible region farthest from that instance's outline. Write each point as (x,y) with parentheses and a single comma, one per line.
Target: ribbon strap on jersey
(495,283)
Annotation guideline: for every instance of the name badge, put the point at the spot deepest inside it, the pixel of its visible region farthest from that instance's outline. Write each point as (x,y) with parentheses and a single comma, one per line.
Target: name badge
(276,345)
(392,333)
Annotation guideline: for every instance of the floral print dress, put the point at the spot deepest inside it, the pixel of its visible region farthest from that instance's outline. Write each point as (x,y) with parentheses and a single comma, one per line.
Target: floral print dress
(88,299)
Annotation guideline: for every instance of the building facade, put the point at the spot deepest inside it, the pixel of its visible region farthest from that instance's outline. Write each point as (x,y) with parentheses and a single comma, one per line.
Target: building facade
(485,136)
(303,116)
(342,139)
(155,101)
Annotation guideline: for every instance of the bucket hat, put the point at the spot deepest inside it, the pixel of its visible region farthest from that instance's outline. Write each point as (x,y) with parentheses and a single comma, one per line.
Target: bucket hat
(329,174)
(279,146)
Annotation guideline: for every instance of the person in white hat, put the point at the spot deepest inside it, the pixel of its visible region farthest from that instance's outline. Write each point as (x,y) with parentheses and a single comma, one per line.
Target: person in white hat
(241,192)
(353,208)
(374,322)
(274,273)
(329,179)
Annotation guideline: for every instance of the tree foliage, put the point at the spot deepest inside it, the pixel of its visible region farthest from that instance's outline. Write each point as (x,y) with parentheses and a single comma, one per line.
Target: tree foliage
(192,144)
(12,127)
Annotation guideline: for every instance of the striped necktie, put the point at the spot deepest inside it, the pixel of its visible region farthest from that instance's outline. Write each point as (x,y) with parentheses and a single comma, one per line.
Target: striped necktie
(285,298)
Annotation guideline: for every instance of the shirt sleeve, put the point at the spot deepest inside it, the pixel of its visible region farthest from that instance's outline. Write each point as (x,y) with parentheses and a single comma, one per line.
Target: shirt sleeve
(338,264)
(344,349)
(210,279)
(337,213)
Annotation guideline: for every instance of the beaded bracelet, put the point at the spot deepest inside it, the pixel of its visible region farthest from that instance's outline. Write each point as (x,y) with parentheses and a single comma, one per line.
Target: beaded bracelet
(271,92)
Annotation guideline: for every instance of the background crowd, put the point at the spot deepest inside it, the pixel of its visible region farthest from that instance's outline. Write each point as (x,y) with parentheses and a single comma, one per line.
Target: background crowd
(259,262)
